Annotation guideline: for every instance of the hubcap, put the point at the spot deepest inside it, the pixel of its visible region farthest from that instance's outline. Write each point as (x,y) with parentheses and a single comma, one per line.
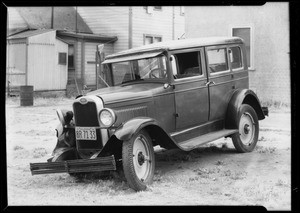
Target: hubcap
(246,129)
(141,157)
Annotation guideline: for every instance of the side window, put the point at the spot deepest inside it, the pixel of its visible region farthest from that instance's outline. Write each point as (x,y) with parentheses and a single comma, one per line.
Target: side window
(188,64)
(217,60)
(246,34)
(235,57)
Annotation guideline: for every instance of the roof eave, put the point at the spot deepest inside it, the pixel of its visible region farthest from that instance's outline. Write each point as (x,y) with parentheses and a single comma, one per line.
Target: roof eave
(88,37)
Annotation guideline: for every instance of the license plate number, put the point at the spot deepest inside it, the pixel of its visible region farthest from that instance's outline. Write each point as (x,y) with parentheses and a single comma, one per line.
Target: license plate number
(85,133)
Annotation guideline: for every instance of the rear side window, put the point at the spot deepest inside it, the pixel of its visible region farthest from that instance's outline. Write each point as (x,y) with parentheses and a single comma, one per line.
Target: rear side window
(217,60)
(235,57)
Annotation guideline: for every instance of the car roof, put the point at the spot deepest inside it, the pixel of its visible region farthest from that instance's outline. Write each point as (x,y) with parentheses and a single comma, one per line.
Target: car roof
(178,44)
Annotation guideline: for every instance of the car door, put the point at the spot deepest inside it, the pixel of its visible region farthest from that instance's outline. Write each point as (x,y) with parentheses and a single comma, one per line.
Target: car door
(220,81)
(191,92)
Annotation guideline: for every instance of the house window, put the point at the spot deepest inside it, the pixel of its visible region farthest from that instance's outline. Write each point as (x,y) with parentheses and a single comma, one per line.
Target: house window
(246,34)
(217,60)
(149,39)
(157,8)
(62,58)
(71,56)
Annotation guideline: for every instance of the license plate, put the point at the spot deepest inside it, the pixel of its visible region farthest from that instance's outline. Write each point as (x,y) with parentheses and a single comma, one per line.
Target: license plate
(85,133)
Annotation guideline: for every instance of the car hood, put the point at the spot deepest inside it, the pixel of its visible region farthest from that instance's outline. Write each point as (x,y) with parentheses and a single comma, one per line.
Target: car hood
(142,92)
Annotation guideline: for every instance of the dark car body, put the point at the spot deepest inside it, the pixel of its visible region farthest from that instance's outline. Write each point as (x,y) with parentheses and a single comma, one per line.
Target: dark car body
(196,91)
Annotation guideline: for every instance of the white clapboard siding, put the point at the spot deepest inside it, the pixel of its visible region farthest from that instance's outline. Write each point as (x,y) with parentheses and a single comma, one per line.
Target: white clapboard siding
(110,21)
(41,66)
(78,59)
(115,21)
(43,71)
(15,21)
(16,62)
(90,66)
(179,23)
(60,73)
(159,22)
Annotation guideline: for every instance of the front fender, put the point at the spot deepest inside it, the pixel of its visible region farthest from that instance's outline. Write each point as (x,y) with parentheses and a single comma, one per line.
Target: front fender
(239,97)
(157,134)
(128,129)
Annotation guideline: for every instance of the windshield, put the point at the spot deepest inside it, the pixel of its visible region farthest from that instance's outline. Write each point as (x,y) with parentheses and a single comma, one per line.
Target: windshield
(138,70)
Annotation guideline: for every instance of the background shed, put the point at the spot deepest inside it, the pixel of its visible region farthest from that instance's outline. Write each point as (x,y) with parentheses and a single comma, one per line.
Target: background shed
(37,58)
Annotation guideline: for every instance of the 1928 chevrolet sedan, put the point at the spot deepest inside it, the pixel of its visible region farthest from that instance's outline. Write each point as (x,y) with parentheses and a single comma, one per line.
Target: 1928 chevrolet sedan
(177,94)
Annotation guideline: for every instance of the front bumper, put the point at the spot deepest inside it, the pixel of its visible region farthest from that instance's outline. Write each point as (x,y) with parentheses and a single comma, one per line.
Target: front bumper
(75,166)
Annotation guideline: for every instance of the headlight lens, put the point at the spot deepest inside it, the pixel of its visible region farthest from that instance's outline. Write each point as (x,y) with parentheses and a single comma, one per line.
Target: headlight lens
(107,117)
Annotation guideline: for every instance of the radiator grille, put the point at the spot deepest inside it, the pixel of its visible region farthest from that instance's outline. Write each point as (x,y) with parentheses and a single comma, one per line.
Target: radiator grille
(86,116)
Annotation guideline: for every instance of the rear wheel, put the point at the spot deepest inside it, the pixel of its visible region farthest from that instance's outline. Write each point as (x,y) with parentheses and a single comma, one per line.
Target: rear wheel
(245,140)
(138,161)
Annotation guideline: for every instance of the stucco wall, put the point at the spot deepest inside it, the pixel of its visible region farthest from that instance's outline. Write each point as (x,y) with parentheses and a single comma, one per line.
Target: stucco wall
(269,23)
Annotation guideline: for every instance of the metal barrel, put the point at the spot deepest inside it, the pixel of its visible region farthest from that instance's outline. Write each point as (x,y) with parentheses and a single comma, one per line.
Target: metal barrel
(26,95)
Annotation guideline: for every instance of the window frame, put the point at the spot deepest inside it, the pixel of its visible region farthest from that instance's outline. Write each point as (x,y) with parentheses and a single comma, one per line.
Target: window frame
(153,37)
(65,61)
(71,67)
(227,58)
(201,58)
(251,65)
(242,58)
(157,9)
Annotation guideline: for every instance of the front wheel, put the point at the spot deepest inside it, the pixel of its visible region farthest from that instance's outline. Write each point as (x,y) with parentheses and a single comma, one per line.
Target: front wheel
(138,161)
(245,140)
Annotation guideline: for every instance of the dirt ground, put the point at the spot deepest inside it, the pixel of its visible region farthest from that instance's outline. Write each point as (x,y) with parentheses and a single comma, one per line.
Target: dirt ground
(212,175)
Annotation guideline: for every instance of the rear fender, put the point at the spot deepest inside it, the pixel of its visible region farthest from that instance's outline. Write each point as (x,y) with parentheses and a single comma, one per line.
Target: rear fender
(239,97)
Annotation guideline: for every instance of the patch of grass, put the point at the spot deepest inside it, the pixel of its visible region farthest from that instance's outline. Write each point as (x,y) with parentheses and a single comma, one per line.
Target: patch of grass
(18,148)
(206,172)
(21,153)
(220,163)
(40,101)
(282,183)
(275,105)
(238,175)
(176,156)
(39,152)
(227,173)
(262,149)
(262,138)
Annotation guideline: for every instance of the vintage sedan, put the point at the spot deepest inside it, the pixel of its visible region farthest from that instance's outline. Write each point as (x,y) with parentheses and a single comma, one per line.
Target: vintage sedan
(177,94)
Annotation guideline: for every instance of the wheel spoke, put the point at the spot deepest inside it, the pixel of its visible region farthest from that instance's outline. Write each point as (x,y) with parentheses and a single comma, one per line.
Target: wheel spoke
(246,129)
(141,158)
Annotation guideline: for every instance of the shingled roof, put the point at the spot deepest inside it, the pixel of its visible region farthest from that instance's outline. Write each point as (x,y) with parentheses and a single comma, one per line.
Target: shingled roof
(64,18)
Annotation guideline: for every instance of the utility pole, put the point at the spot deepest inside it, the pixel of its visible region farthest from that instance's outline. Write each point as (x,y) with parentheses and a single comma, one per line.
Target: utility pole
(52,17)
(130,29)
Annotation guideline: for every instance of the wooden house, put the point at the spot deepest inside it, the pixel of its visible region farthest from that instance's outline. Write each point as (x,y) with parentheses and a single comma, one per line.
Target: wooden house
(84,28)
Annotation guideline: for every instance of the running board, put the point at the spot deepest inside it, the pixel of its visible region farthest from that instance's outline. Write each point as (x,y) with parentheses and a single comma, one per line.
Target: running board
(198,141)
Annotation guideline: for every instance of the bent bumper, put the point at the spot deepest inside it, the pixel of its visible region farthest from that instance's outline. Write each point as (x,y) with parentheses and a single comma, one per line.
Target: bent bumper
(75,166)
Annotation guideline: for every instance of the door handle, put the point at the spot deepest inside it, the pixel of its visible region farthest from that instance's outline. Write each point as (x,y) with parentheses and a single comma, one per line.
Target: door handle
(209,83)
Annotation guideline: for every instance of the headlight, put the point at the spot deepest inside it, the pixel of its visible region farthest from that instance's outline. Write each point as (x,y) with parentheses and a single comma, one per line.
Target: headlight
(107,117)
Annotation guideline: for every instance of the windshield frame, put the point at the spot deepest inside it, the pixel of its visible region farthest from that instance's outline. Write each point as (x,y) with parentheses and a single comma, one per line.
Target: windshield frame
(110,72)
